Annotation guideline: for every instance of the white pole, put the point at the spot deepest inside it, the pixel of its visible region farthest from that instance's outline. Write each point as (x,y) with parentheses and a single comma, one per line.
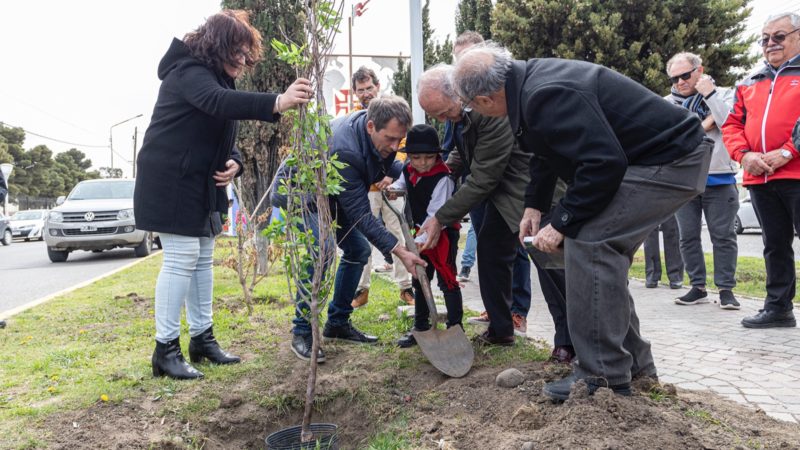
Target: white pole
(416,57)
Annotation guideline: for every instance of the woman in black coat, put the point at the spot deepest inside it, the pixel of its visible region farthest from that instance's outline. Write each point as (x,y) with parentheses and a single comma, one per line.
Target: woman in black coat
(187,159)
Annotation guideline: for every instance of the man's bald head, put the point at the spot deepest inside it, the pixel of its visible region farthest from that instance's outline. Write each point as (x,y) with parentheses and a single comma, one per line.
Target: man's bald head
(436,94)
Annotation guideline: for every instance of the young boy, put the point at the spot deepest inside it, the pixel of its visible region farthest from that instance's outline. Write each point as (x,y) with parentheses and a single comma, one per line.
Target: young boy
(427,184)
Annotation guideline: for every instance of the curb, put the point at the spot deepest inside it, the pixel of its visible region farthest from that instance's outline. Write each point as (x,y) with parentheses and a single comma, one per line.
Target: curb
(14,311)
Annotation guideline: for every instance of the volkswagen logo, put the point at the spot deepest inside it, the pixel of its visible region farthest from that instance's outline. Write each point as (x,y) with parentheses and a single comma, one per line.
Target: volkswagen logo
(89,216)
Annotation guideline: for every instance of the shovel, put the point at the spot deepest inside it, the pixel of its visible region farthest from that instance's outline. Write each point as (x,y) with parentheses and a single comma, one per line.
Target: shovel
(448,350)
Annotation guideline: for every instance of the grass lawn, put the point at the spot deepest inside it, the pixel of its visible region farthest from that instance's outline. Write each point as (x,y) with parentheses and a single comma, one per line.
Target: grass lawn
(751,276)
(93,347)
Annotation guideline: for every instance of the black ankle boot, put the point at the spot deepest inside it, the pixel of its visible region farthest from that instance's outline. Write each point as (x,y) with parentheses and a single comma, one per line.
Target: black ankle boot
(168,361)
(205,345)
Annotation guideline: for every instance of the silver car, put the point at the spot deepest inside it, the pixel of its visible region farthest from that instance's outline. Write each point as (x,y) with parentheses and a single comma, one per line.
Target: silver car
(29,224)
(97,215)
(746,217)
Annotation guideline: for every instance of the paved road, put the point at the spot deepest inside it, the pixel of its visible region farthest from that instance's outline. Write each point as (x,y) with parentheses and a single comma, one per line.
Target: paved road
(750,244)
(26,273)
(700,347)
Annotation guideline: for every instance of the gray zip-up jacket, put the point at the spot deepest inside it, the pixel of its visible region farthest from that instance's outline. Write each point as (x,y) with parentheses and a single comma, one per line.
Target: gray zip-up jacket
(720,103)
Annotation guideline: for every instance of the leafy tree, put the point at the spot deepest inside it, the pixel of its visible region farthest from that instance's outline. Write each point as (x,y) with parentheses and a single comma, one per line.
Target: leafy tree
(260,142)
(110,172)
(475,15)
(433,53)
(39,174)
(634,37)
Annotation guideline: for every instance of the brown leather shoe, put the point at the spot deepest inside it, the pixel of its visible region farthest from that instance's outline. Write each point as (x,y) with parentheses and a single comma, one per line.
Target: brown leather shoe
(485,339)
(562,354)
(361,299)
(407,296)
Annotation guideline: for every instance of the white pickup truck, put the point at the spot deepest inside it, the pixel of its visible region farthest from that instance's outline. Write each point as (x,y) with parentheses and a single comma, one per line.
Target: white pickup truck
(97,215)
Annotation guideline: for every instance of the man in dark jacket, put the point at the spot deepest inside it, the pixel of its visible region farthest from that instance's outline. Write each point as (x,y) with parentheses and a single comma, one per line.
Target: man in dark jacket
(495,186)
(630,160)
(366,141)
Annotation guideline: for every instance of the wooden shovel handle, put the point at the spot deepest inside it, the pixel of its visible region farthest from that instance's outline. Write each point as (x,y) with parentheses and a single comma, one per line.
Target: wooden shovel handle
(422,276)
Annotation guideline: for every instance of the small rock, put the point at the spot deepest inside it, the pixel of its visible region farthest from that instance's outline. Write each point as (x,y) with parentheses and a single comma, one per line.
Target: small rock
(528,446)
(510,378)
(383,318)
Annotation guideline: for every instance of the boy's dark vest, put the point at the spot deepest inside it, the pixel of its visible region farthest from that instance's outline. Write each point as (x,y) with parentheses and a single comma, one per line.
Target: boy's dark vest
(419,194)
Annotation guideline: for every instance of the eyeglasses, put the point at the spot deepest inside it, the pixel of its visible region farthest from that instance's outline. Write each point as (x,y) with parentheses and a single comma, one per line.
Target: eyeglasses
(465,104)
(684,76)
(776,37)
(364,90)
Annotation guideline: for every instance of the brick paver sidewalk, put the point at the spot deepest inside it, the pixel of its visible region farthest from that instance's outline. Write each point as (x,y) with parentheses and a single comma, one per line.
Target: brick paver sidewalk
(701,346)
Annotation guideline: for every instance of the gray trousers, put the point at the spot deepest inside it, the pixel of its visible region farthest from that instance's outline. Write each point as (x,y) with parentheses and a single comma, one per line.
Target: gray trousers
(600,313)
(672,253)
(719,204)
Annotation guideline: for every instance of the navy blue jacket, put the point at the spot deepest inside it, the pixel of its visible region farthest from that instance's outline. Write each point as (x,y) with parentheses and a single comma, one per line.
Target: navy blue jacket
(191,135)
(353,146)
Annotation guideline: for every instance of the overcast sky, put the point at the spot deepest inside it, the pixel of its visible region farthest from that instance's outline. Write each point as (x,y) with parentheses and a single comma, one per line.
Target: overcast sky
(71,69)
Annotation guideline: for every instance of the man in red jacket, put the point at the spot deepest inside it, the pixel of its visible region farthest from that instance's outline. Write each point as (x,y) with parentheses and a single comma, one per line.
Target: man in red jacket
(757,134)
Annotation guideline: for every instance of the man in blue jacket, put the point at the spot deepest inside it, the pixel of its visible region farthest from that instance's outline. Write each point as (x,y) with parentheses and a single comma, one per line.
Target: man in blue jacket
(366,142)
(630,160)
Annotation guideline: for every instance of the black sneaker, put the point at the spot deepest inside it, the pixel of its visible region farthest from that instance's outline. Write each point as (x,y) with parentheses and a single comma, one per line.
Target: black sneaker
(301,346)
(695,296)
(727,300)
(651,284)
(464,274)
(770,319)
(347,333)
(559,390)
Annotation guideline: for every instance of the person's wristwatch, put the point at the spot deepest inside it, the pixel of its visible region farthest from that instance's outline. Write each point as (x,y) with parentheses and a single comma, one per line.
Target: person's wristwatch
(786,154)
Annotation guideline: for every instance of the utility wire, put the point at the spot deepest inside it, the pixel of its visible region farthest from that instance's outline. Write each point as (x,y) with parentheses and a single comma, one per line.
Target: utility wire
(54,139)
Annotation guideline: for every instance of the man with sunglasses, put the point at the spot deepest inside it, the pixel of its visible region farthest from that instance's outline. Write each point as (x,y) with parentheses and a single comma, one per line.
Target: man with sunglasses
(630,160)
(694,90)
(757,134)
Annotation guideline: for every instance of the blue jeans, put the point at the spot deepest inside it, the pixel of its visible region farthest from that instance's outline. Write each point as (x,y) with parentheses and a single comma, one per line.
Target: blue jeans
(355,253)
(186,276)
(468,256)
(301,325)
(521,272)
(777,206)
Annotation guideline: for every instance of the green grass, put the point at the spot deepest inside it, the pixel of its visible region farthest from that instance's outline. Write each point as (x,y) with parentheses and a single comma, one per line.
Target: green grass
(93,345)
(751,276)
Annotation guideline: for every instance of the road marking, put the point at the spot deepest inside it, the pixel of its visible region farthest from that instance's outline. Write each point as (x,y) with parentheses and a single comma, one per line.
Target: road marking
(14,311)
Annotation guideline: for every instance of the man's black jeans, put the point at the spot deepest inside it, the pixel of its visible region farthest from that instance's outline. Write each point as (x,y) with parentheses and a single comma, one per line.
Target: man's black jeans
(777,206)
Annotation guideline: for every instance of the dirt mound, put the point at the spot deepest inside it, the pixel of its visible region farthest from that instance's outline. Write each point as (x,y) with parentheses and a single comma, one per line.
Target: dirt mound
(364,392)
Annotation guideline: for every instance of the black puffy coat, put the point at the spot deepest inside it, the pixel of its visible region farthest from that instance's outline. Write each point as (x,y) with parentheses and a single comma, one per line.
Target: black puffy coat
(191,135)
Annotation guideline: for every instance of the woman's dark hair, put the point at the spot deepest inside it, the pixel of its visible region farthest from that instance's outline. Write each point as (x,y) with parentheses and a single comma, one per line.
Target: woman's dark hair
(217,41)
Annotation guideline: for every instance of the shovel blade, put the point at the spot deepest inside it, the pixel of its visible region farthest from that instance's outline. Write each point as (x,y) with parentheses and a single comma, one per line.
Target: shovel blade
(448,350)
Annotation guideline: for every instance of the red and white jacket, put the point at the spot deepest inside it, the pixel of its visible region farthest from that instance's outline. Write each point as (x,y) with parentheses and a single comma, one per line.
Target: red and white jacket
(765,108)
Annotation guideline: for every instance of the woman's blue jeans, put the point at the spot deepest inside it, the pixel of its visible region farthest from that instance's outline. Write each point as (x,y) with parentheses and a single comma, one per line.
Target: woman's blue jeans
(186,277)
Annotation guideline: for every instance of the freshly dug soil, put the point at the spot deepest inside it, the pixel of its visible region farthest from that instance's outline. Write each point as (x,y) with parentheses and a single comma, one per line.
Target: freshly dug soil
(365,393)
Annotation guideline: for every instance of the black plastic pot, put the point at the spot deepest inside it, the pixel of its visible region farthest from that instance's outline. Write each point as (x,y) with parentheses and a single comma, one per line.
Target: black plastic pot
(325,435)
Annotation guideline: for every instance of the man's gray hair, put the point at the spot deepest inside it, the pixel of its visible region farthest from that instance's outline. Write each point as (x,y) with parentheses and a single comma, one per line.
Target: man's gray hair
(481,70)
(383,109)
(693,59)
(468,37)
(793,17)
(438,78)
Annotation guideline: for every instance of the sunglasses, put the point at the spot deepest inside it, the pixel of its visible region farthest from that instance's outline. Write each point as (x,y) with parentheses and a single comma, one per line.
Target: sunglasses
(777,37)
(684,76)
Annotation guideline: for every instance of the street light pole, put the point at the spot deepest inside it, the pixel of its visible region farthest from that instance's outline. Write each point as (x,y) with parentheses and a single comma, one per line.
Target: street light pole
(111,136)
